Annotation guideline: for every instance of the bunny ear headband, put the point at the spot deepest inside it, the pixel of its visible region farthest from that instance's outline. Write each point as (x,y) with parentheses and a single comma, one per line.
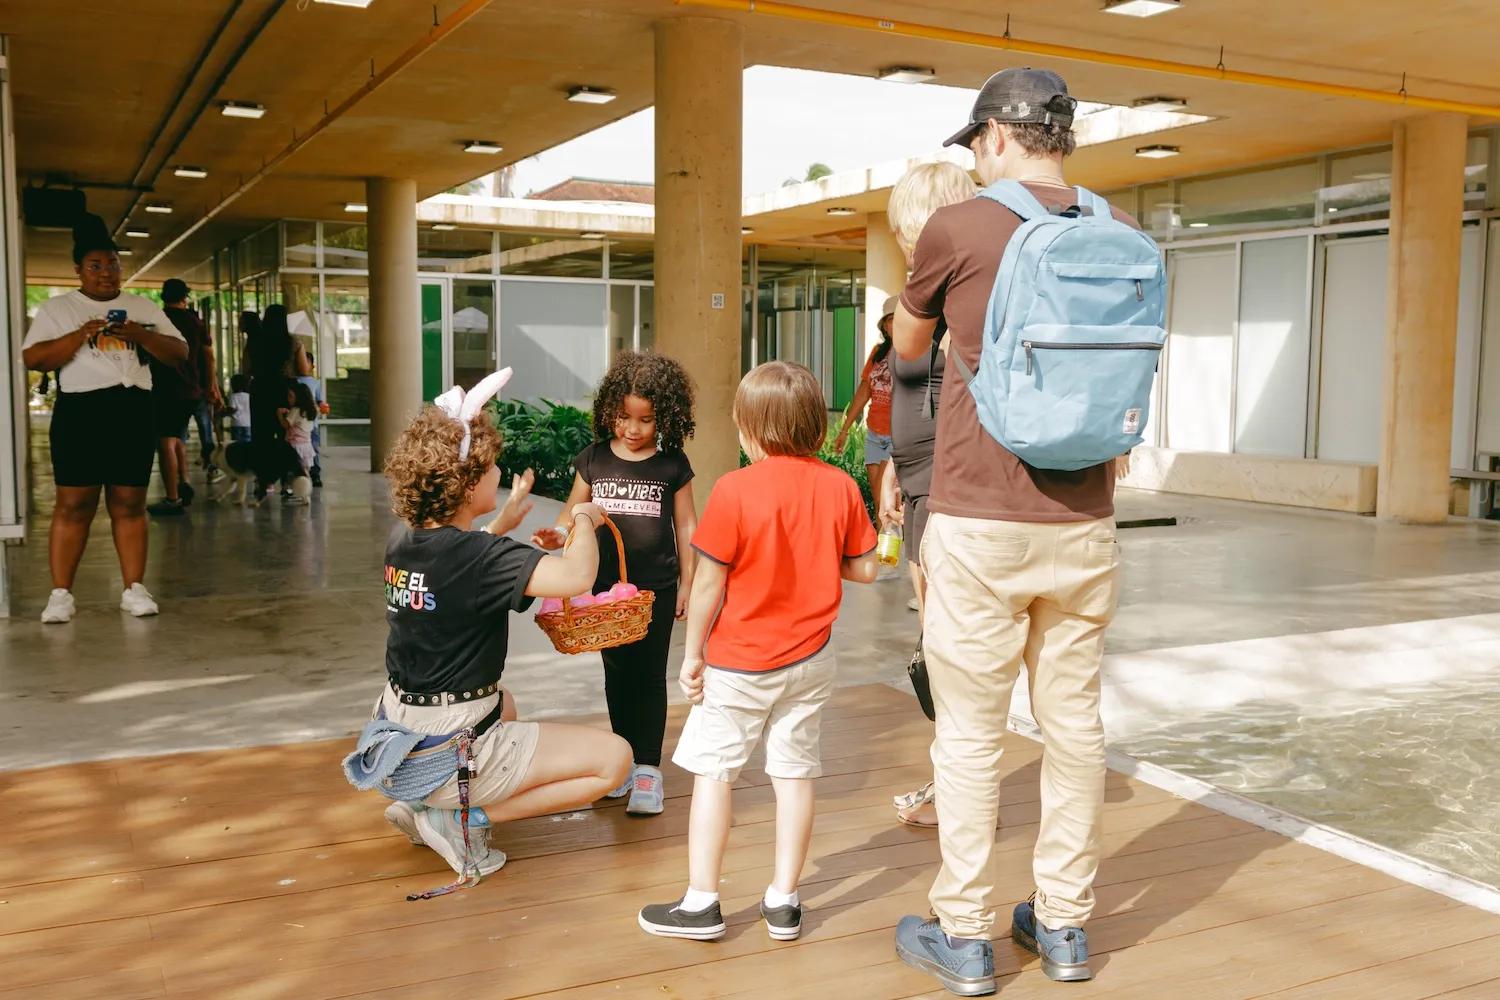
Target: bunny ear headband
(464,407)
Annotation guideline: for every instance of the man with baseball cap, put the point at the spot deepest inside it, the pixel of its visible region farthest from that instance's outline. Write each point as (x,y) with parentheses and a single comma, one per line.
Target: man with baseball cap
(1022,566)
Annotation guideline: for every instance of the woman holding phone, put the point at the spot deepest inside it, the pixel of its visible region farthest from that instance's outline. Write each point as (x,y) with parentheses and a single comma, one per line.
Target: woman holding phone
(100,341)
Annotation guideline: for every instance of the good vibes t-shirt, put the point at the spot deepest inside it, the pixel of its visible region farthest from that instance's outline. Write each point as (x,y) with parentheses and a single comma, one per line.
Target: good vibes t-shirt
(639,497)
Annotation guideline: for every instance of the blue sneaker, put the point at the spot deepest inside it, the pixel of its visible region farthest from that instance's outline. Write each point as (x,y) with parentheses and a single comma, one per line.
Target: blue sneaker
(647,791)
(967,969)
(1064,953)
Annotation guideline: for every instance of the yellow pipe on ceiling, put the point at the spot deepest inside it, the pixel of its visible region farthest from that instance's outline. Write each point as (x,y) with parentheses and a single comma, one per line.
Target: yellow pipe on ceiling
(794,12)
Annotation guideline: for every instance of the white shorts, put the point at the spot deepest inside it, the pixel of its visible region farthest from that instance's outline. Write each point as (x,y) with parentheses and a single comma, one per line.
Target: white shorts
(724,729)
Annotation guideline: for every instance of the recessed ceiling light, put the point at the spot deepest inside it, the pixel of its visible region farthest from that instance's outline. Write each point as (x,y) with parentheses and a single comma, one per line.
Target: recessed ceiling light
(159,209)
(137,234)
(481,146)
(907,74)
(746,230)
(841,210)
(186,171)
(1332,209)
(591,95)
(443,227)
(356,206)
(1160,104)
(1140,8)
(242,109)
(1166,204)
(591,236)
(1197,225)
(124,253)
(346,3)
(1377,175)
(1157,152)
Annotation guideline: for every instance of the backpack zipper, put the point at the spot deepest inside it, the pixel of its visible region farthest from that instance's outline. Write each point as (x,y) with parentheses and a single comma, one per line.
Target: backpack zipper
(1053,345)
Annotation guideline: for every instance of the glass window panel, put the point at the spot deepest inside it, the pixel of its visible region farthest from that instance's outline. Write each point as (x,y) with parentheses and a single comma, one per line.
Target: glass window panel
(457,251)
(1272,349)
(473,323)
(299,243)
(299,293)
(553,332)
(633,259)
(621,318)
(648,305)
(1353,350)
(346,246)
(346,315)
(1200,350)
(555,255)
(1269,198)
(1159,213)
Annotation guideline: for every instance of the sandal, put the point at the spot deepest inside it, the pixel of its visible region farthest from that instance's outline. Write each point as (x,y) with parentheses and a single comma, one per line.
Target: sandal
(913,799)
(922,816)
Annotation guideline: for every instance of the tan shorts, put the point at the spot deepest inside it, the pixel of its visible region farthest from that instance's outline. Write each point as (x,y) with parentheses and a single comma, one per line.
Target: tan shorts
(502,756)
(786,704)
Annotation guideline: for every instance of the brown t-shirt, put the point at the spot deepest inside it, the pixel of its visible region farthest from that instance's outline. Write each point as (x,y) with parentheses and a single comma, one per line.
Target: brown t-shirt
(973,475)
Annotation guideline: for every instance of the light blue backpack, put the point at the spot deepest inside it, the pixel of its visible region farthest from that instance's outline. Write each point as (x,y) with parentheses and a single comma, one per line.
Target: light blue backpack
(1072,335)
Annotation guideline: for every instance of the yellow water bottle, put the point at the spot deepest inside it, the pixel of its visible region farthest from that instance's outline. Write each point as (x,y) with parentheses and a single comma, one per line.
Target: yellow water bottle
(888,545)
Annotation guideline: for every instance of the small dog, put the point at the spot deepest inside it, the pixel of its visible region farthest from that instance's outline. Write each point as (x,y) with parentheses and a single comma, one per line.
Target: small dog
(237,459)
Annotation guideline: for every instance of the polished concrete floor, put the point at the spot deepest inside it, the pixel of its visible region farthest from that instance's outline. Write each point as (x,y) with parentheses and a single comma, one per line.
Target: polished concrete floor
(272,624)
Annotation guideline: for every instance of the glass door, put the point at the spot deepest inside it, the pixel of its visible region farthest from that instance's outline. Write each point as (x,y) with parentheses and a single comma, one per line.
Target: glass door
(472,349)
(435,317)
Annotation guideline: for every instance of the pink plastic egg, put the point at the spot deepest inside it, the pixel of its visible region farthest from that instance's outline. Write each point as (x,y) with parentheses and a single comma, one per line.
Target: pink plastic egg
(608,597)
(582,601)
(552,605)
(624,591)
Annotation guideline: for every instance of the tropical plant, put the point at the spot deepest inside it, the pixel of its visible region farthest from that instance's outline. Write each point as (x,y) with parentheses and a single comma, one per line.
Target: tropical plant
(543,438)
(815,171)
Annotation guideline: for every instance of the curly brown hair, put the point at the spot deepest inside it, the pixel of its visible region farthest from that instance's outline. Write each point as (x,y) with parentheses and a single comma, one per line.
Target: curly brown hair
(429,482)
(660,381)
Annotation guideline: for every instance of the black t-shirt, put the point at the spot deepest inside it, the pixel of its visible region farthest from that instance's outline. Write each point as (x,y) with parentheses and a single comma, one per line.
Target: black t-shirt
(184,380)
(448,596)
(913,427)
(639,497)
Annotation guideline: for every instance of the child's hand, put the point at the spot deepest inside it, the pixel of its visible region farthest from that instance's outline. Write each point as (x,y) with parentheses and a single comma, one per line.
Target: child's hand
(517,506)
(592,511)
(550,539)
(690,679)
(682,603)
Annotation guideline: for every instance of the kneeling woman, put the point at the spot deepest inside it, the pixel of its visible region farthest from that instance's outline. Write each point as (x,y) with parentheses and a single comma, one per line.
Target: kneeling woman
(449,593)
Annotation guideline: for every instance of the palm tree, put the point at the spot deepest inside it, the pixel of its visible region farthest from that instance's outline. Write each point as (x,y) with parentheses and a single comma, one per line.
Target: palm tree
(814,172)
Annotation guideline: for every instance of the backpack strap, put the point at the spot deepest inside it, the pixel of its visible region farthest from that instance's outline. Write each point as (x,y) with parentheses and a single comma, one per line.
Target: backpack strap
(1098,208)
(1014,196)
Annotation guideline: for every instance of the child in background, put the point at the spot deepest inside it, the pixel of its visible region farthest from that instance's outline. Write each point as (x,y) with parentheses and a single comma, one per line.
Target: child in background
(298,418)
(239,408)
(643,412)
(315,386)
(774,543)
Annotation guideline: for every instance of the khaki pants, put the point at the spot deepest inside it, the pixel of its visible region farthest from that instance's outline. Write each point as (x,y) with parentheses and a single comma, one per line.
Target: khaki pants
(1000,592)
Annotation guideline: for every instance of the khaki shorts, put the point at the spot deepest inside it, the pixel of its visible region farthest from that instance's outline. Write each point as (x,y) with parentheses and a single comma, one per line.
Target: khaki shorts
(785,704)
(502,756)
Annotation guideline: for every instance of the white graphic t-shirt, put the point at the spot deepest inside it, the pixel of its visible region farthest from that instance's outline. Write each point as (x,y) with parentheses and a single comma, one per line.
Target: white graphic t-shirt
(108,361)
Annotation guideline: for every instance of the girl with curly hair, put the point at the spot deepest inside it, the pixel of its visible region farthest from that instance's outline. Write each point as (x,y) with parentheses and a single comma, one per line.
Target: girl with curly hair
(643,413)
(449,592)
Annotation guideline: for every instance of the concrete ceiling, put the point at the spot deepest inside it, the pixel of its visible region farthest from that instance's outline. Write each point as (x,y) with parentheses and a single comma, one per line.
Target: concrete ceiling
(101,97)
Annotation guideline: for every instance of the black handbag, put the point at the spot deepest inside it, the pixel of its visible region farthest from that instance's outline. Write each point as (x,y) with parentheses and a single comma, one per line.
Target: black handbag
(917,671)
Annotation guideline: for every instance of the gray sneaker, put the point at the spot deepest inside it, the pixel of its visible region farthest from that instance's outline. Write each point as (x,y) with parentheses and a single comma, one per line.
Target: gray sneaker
(1064,953)
(647,793)
(403,816)
(440,830)
(966,969)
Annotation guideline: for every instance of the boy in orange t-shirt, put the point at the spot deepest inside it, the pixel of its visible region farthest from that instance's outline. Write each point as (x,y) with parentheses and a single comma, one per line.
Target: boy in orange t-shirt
(774,543)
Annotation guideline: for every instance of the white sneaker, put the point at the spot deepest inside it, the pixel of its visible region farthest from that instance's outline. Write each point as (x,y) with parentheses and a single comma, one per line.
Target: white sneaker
(60,608)
(403,816)
(138,601)
(441,831)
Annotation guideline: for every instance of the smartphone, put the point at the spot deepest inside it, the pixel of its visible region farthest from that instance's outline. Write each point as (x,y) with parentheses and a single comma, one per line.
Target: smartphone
(115,317)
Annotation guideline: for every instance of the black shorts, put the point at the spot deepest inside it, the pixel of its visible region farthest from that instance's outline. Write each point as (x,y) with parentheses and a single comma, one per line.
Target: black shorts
(103,438)
(172,415)
(915,528)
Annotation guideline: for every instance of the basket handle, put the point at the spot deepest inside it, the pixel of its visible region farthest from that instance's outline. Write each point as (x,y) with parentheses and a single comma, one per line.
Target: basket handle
(619,548)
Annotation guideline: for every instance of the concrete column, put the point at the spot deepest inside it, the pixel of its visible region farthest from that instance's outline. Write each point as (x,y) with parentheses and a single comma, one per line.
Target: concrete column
(395,312)
(885,275)
(1427,189)
(699,62)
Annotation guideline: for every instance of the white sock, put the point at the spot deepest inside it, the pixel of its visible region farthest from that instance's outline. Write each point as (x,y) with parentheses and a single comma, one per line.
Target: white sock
(776,898)
(695,901)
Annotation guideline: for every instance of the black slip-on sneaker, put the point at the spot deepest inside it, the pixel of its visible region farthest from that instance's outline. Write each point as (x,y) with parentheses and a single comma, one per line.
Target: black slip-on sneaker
(783,923)
(671,920)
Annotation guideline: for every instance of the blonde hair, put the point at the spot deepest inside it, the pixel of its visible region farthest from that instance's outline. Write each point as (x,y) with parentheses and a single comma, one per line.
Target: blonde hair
(779,407)
(924,189)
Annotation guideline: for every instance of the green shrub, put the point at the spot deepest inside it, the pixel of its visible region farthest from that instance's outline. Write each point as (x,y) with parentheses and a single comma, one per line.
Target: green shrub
(544,439)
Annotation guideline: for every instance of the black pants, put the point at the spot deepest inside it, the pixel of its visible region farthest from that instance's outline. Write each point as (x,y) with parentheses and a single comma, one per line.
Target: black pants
(635,683)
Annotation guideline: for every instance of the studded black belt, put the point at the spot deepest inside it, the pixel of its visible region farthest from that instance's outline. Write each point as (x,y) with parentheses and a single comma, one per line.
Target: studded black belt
(443,697)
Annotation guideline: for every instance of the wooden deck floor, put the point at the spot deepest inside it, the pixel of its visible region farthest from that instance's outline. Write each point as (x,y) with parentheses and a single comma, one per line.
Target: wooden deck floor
(260,873)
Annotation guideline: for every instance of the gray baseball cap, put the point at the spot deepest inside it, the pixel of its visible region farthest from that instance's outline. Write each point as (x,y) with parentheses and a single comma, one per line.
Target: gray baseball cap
(1018,96)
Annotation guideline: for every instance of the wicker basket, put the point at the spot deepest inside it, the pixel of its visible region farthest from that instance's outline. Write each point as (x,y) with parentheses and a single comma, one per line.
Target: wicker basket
(604,626)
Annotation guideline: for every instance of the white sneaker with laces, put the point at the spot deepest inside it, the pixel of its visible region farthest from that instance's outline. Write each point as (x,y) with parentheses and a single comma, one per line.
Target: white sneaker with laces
(138,601)
(440,830)
(60,608)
